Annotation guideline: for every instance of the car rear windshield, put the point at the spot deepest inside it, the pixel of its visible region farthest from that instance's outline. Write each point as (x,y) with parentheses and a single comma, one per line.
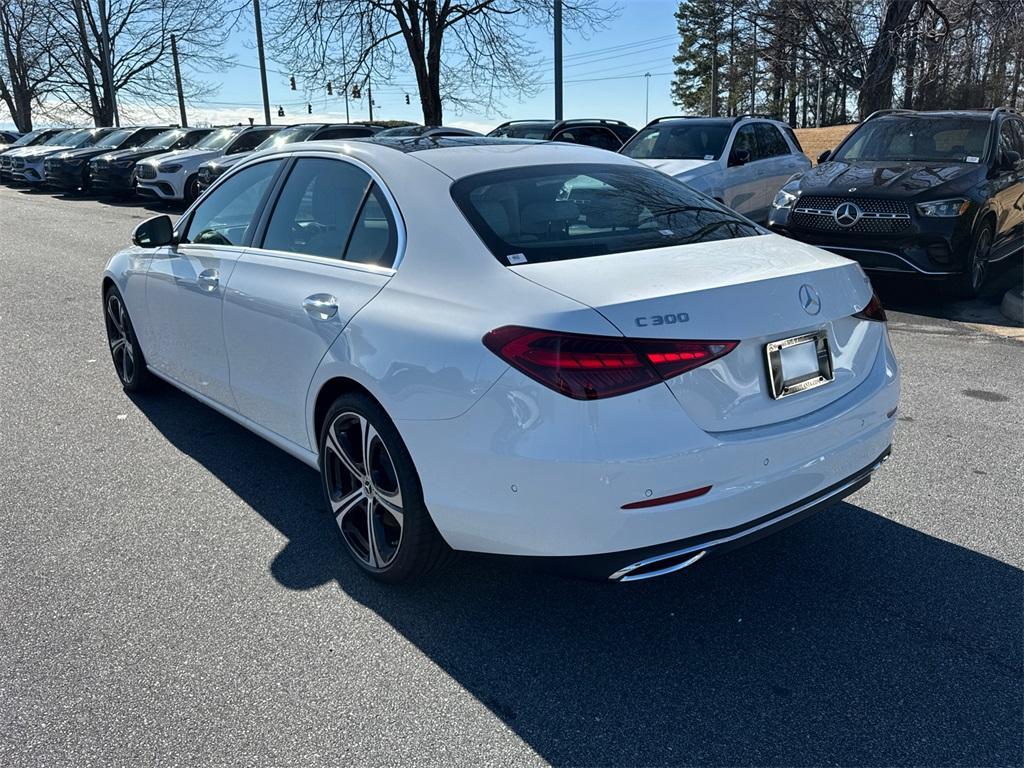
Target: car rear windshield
(558,212)
(901,138)
(523,131)
(218,139)
(679,141)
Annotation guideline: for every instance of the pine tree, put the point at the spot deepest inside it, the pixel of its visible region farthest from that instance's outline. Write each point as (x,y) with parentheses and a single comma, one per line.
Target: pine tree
(703,31)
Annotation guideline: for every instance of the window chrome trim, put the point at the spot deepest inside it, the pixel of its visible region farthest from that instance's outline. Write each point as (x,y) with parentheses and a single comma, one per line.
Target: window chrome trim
(298,153)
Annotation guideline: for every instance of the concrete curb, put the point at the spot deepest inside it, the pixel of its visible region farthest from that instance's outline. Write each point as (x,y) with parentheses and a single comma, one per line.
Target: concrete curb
(1013,305)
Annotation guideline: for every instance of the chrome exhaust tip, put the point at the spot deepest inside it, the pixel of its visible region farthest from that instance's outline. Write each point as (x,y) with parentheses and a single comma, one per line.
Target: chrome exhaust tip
(659,565)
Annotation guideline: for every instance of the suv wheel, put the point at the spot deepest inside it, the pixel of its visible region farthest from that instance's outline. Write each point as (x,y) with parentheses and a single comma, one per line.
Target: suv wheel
(374,494)
(968,284)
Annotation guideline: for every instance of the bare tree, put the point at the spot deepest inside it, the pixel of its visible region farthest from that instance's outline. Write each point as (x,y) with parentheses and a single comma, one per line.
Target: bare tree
(462,54)
(26,67)
(121,48)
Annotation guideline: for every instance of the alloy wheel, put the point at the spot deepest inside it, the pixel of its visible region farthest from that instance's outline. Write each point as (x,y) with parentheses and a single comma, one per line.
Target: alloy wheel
(363,490)
(980,261)
(119,337)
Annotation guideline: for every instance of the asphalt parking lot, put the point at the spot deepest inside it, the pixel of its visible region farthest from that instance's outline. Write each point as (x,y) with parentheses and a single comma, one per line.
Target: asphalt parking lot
(171,596)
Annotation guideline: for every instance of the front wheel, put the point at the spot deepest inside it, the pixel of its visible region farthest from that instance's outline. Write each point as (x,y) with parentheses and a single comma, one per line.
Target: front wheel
(968,284)
(191,190)
(374,494)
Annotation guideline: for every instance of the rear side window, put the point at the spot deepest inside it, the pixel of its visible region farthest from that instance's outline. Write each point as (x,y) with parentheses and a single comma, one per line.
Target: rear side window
(559,212)
(225,215)
(248,141)
(770,140)
(333,209)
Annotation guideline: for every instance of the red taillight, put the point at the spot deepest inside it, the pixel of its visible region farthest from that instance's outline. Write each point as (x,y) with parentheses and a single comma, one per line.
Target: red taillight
(589,367)
(873,311)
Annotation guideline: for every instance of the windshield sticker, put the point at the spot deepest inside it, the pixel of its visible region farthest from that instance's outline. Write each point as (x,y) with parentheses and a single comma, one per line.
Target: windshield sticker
(666,232)
(972,159)
(709,157)
(516,258)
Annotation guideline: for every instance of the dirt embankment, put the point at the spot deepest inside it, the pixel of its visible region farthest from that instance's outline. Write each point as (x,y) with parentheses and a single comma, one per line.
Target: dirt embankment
(817,140)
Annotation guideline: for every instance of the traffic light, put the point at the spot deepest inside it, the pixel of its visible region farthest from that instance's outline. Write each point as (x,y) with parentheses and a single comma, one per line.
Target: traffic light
(407,98)
(309,109)
(330,88)
(280,111)
(293,82)
(356,92)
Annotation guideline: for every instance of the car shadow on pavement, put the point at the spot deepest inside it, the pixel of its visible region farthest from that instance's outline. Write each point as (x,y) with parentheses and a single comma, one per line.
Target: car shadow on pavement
(847,639)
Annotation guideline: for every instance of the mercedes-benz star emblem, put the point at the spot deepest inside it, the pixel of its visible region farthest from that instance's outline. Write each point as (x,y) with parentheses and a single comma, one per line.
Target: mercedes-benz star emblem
(847,214)
(809,299)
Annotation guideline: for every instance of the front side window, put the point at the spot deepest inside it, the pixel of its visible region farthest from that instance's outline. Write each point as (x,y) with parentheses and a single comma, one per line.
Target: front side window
(225,216)
(316,208)
(746,141)
(1009,139)
(343,132)
(679,140)
(902,138)
(559,212)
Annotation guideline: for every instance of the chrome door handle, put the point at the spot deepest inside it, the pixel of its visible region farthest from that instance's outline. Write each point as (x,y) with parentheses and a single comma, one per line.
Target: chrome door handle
(322,306)
(208,279)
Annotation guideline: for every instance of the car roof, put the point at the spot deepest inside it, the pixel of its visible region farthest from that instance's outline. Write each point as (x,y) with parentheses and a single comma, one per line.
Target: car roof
(461,156)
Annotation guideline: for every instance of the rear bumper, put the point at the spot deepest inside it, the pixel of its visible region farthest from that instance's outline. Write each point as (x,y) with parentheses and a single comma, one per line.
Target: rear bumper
(650,562)
(936,247)
(543,478)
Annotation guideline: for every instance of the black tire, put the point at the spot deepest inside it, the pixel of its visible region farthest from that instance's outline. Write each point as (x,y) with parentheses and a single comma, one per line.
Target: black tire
(125,352)
(191,190)
(968,284)
(406,548)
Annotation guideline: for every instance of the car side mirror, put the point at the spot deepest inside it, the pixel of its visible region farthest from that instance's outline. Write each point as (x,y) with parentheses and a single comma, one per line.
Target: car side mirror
(153,233)
(1011,161)
(824,156)
(739,157)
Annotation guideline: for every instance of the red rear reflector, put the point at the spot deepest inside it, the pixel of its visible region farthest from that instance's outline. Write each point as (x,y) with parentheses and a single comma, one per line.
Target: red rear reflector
(668,499)
(590,367)
(873,311)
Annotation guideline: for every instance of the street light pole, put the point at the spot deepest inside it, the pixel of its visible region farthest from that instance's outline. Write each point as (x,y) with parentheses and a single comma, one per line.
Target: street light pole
(263,61)
(558,59)
(647,98)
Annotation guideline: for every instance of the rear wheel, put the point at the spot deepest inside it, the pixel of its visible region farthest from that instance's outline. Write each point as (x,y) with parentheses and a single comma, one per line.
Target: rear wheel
(969,283)
(374,493)
(129,363)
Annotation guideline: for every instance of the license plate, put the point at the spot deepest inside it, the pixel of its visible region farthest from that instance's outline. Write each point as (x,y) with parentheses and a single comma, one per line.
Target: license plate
(798,364)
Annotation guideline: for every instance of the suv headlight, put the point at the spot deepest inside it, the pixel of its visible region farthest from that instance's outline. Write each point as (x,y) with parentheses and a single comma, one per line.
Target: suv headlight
(944,208)
(783,200)
(169,168)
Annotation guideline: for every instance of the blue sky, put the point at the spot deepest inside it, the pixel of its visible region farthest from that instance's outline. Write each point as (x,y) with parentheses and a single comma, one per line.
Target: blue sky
(604,78)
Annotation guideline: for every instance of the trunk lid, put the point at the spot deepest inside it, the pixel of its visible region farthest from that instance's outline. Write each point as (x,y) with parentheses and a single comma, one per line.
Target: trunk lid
(746,290)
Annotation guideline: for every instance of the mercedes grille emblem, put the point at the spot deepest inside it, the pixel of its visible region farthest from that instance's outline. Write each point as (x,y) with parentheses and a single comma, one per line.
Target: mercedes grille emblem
(847,214)
(809,299)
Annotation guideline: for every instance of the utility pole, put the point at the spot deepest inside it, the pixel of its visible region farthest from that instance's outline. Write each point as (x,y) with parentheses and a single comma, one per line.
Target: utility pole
(714,79)
(177,82)
(369,94)
(558,59)
(753,71)
(647,99)
(263,61)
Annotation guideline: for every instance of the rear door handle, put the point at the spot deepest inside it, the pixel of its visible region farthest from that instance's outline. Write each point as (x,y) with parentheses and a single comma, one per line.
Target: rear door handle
(208,279)
(320,306)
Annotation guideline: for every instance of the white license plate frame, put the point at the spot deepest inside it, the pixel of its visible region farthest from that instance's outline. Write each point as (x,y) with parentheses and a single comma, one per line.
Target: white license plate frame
(780,386)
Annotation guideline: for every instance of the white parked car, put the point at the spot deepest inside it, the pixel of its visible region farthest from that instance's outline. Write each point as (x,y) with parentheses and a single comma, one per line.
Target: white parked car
(538,350)
(27,163)
(740,161)
(174,176)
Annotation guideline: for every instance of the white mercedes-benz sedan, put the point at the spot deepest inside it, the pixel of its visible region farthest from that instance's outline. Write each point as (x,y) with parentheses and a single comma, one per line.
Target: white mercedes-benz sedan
(536,350)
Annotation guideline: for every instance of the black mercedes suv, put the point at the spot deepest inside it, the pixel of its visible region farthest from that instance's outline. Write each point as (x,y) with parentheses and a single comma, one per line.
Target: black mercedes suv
(929,193)
(594,132)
